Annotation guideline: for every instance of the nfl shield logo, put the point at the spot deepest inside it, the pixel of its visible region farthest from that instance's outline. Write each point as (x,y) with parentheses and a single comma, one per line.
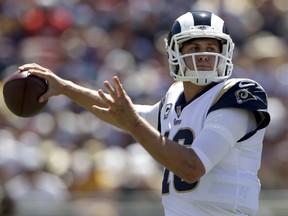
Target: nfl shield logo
(178,111)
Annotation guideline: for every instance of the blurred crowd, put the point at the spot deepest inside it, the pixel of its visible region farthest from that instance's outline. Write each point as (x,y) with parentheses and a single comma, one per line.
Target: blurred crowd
(65,150)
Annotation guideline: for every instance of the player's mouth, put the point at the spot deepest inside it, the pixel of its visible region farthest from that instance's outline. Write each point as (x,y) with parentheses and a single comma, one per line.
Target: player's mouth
(204,67)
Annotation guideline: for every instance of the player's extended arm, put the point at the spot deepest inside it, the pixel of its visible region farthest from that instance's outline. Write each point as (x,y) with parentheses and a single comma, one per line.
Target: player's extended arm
(83,96)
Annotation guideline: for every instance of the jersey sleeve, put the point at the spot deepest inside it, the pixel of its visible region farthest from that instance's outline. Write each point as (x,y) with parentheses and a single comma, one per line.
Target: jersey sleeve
(244,94)
(219,126)
(150,113)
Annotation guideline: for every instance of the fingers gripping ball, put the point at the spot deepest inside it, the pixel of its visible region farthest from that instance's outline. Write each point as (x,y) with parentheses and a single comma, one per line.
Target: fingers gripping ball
(21,92)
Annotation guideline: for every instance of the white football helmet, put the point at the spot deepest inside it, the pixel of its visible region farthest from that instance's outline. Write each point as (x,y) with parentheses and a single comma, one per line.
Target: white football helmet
(195,25)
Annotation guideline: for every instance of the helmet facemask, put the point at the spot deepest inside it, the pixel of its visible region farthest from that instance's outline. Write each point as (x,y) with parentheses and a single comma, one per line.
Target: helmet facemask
(179,70)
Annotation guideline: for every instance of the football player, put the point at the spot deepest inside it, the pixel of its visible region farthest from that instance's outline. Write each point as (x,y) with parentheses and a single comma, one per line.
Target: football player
(208,129)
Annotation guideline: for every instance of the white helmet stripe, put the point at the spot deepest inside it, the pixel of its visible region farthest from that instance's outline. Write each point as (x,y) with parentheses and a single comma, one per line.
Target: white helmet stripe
(217,23)
(186,21)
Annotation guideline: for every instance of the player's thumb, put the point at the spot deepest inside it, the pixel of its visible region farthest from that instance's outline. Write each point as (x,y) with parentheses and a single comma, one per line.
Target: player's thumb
(43,98)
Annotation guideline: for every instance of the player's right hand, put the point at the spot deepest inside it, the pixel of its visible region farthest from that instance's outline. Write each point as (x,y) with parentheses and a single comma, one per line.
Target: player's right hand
(55,83)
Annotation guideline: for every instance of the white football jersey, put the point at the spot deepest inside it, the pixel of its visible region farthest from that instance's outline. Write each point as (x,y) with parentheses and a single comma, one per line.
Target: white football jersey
(231,187)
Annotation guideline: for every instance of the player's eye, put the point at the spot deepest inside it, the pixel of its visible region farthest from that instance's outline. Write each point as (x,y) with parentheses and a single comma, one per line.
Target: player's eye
(214,49)
(191,49)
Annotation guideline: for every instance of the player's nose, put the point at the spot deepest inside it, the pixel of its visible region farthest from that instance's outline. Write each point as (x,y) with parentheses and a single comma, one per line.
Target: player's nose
(202,57)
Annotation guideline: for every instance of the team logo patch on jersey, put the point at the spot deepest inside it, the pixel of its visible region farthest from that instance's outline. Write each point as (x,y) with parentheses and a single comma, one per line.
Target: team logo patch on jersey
(243,95)
(167,110)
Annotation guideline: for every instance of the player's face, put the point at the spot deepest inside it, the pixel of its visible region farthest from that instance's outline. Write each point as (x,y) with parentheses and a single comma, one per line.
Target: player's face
(202,62)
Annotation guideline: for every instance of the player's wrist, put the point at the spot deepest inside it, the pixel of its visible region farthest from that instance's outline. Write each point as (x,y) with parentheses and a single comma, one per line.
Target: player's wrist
(66,87)
(139,128)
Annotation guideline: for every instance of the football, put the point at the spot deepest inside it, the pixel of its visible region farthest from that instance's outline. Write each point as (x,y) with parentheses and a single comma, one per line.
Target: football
(21,92)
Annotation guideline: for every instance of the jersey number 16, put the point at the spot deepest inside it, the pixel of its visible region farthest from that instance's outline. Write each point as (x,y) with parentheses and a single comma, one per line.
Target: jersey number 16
(184,136)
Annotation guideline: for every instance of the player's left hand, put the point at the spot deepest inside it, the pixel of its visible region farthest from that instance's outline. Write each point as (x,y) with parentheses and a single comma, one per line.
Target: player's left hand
(120,111)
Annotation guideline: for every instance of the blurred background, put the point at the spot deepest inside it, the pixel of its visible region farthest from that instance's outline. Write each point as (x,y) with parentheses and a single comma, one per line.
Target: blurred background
(66,162)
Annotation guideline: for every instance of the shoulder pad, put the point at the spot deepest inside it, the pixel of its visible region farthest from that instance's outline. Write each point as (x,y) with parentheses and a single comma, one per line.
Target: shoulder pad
(243,94)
